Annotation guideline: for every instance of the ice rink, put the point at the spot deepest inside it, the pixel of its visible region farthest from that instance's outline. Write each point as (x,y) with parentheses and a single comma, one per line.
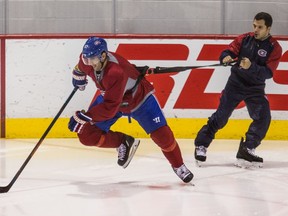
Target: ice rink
(65,178)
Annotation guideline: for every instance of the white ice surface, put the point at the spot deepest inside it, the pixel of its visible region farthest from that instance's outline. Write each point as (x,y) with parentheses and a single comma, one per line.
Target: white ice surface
(65,178)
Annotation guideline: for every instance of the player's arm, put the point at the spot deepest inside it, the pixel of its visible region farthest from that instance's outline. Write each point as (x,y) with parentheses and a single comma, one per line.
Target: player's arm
(274,58)
(79,77)
(233,50)
(78,120)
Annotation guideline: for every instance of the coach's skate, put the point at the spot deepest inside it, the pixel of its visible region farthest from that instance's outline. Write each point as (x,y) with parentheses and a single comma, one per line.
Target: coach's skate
(200,155)
(183,173)
(127,150)
(246,158)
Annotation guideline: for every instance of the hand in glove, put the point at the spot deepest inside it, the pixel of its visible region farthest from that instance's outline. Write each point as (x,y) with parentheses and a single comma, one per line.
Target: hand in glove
(77,121)
(79,79)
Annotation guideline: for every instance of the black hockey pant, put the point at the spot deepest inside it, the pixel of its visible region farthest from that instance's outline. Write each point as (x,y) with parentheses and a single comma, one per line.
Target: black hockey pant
(259,111)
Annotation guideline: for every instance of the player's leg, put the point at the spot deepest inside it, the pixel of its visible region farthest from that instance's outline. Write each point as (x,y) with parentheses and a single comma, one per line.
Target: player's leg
(101,136)
(259,111)
(150,116)
(229,100)
(164,138)
(126,145)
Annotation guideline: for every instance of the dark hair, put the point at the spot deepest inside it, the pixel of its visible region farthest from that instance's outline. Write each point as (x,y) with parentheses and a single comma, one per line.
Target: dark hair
(266,17)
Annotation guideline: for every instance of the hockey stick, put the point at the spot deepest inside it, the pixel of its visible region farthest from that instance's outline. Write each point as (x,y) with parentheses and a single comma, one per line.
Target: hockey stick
(5,189)
(159,70)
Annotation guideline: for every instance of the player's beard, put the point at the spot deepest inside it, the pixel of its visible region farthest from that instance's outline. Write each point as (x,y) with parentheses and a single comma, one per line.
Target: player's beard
(258,36)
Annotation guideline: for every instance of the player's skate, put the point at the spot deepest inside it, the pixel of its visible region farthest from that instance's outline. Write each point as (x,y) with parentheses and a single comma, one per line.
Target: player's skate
(183,173)
(127,150)
(246,158)
(200,155)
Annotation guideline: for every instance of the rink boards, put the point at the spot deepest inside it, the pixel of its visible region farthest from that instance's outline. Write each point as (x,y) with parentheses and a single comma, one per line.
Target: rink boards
(37,75)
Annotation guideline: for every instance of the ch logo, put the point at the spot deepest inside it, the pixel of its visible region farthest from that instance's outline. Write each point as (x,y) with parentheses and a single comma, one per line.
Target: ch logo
(156,120)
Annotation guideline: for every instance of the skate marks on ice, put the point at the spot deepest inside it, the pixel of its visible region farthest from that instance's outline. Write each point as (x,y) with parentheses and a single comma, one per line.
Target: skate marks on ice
(64,178)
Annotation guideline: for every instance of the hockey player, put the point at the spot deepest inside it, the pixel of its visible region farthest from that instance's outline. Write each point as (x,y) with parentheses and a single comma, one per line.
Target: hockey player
(258,56)
(124,92)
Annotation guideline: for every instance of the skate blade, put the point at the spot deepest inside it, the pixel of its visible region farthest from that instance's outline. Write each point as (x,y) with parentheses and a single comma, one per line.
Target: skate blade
(257,165)
(134,147)
(248,165)
(199,163)
(243,164)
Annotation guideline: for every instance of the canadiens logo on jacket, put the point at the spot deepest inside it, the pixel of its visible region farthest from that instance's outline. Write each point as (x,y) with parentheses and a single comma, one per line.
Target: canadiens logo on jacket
(264,56)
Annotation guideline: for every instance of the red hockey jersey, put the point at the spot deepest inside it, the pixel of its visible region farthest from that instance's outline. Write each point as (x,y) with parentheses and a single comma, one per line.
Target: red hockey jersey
(115,82)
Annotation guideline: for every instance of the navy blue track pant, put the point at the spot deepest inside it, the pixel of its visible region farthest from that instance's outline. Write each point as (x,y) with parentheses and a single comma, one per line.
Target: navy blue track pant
(258,108)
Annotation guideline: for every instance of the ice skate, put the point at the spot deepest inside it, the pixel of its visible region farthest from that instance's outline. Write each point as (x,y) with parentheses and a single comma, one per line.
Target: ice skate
(183,173)
(127,150)
(200,155)
(246,158)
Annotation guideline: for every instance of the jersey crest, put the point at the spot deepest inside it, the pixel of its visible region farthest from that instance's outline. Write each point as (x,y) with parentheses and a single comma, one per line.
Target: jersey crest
(262,52)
